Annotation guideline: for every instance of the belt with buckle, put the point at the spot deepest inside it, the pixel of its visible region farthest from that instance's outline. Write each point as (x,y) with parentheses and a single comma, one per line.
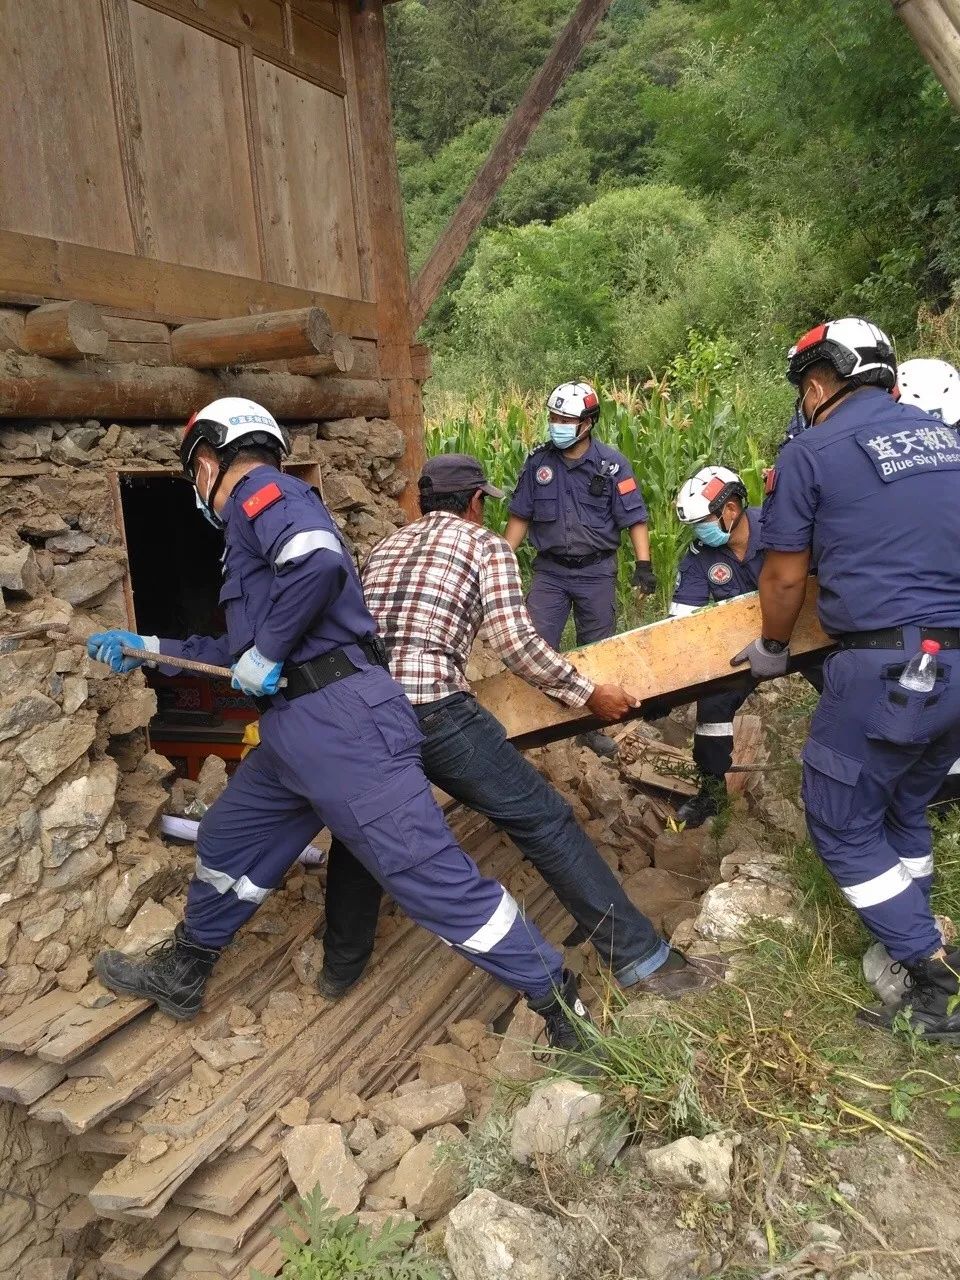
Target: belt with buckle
(575,562)
(892,638)
(336,664)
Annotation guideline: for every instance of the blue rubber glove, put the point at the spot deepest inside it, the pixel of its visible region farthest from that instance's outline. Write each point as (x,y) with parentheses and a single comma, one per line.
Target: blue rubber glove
(256,674)
(105,646)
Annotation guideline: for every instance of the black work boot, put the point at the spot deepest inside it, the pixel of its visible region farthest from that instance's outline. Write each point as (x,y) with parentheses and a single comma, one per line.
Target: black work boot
(707,803)
(566,1019)
(173,973)
(678,976)
(598,743)
(932,987)
(332,988)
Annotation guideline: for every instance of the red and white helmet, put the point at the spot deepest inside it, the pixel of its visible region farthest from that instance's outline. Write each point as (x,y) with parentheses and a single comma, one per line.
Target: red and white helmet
(228,425)
(857,350)
(574,400)
(931,385)
(707,493)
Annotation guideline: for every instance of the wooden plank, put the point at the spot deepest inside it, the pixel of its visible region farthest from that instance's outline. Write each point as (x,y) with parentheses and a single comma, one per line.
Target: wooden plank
(226,1234)
(123,79)
(316,44)
(21,1030)
(666,664)
(137,1250)
(33,387)
(468,215)
(361,206)
(199,195)
(24,1079)
(224,1186)
(155,353)
(251,113)
(122,329)
(59,152)
(310,240)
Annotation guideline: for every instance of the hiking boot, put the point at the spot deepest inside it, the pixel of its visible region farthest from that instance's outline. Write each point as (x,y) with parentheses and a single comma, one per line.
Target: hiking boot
(173,973)
(565,1018)
(332,988)
(678,976)
(707,803)
(932,987)
(598,743)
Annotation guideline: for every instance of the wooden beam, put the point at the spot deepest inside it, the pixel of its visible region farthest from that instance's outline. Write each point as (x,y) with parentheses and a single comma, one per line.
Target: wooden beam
(935,27)
(11,329)
(468,215)
(273,335)
(422,361)
(64,330)
(31,387)
(665,665)
(365,26)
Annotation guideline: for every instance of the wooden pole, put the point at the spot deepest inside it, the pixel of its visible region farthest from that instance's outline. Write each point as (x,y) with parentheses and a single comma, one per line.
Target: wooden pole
(422,361)
(65,330)
(364,26)
(952,9)
(273,335)
(342,359)
(507,150)
(934,29)
(31,387)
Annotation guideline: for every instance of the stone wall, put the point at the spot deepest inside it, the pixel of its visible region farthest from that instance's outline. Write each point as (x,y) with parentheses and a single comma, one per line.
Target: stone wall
(80,793)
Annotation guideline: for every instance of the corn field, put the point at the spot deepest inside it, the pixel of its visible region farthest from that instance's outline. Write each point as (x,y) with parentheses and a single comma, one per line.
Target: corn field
(666,435)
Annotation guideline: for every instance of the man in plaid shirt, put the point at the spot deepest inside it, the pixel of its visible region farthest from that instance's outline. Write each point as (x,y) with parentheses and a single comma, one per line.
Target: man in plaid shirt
(431,586)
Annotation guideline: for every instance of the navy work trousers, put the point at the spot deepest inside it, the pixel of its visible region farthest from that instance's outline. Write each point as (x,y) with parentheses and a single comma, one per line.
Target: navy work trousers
(348,757)
(875,758)
(590,592)
(466,753)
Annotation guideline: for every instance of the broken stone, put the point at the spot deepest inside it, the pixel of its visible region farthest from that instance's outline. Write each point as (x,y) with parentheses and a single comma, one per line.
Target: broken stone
(343,491)
(342,1107)
(467,1034)
(318,1159)
(770,868)
(294,1113)
(385,439)
(563,1119)
(352,429)
(151,1147)
(45,524)
(656,891)
(19,575)
(228,1051)
(700,1164)
(75,975)
(123,900)
(8,933)
(446,1103)
(28,712)
(37,928)
(362,1136)
(307,961)
(134,710)
(53,956)
(18,978)
(240,1018)
(488,1238)
(83,580)
(784,816)
(448,1063)
(77,813)
(211,781)
(386,1152)
(95,996)
(515,1058)
(683,852)
(53,748)
(75,691)
(726,910)
(73,543)
(204,1075)
(152,924)
(50,1269)
(428,1178)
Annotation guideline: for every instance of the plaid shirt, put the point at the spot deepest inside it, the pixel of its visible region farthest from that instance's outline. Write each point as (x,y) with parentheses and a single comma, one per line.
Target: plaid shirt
(432,585)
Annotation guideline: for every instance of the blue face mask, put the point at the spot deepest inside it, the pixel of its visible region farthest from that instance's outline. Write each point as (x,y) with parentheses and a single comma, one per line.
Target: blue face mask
(563,434)
(711,535)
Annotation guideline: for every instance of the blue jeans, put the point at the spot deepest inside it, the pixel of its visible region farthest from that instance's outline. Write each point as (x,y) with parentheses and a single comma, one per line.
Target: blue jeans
(466,753)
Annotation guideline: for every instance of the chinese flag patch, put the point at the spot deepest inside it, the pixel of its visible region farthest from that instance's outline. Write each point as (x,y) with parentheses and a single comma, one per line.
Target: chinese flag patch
(627,486)
(769,480)
(263,498)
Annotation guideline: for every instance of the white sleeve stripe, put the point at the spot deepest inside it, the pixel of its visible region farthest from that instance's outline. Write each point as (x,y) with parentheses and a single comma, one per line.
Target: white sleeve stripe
(302,544)
(683,610)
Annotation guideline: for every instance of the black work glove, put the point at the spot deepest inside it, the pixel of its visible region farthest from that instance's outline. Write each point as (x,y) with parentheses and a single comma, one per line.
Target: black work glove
(764,665)
(644,578)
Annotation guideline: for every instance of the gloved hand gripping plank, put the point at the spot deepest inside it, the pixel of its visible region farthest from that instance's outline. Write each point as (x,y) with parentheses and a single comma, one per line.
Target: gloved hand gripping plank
(9,640)
(666,664)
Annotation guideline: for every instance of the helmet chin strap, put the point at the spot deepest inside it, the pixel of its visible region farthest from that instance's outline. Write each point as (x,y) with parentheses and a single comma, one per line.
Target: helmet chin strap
(845,390)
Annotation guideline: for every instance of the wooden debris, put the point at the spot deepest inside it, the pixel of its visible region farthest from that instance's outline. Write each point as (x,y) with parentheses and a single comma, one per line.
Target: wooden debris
(64,330)
(24,1080)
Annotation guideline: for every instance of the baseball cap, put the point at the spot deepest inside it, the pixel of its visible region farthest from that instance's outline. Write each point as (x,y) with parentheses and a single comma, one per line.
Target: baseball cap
(454,472)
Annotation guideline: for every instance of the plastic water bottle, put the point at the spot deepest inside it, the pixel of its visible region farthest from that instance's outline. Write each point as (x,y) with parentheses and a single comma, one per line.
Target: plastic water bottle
(920,673)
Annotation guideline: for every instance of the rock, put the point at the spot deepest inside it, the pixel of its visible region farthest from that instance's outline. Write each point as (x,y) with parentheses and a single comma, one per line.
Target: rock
(53,748)
(84,579)
(563,1119)
(307,961)
(228,1051)
(446,1103)
(427,1179)
(18,978)
(385,439)
(211,781)
(656,891)
(671,1255)
(37,928)
(340,1107)
(379,1204)
(448,1063)
(741,834)
(684,853)
(515,1058)
(467,1034)
(488,1238)
(74,976)
(295,1113)
(121,906)
(19,575)
(43,524)
(8,933)
(150,925)
(95,996)
(134,710)
(386,1152)
(53,956)
(700,1164)
(73,543)
(362,1136)
(240,1018)
(77,813)
(726,910)
(375,1220)
(204,1075)
(50,1269)
(317,1157)
(28,712)
(151,1147)
(769,868)
(784,816)
(674,918)
(343,491)
(75,691)
(353,429)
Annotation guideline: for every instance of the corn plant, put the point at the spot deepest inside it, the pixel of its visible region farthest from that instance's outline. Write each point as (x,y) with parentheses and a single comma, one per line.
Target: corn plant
(667,433)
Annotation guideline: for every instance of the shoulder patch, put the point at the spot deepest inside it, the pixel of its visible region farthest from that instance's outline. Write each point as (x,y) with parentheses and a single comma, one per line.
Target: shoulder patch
(627,486)
(263,498)
(769,480)
(720,574)
(544,475)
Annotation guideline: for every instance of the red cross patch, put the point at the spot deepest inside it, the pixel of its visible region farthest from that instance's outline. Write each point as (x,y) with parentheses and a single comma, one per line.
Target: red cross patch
(544,475)
(263,498)
(720,574)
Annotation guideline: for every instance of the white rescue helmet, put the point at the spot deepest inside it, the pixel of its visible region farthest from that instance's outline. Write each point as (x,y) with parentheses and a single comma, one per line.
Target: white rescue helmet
(857,350)
(228,425)
(574,400)
(707,493)
(933,386)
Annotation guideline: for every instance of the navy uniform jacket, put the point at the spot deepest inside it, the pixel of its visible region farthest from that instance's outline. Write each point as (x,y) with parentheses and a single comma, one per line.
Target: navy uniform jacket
(874,491)
(289,584)
(715,573)
(565,516)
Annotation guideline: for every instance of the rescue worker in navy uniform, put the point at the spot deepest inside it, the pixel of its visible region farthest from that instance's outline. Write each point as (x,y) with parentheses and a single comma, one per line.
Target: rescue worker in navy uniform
(869,492)
(574,497)
(339,742)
